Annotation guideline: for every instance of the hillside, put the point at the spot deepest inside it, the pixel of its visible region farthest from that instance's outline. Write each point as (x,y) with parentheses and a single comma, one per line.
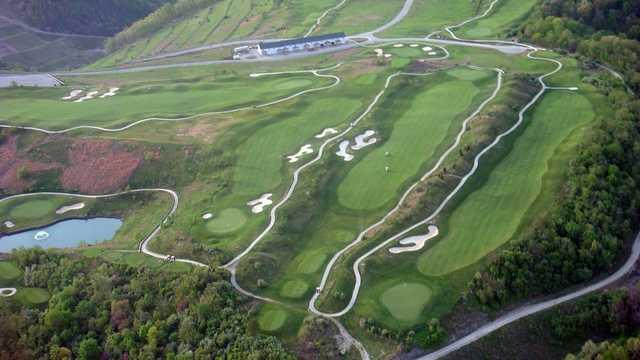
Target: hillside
(86,17)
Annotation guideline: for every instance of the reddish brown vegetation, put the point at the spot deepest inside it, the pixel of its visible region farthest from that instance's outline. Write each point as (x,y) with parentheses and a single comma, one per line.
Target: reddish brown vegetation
(11,166)
(98,166)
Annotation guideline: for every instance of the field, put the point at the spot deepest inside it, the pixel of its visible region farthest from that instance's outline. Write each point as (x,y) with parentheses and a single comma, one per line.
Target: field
(504,14)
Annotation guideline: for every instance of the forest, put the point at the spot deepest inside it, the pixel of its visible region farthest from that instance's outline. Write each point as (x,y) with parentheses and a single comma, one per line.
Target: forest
(101,310)
(86,17)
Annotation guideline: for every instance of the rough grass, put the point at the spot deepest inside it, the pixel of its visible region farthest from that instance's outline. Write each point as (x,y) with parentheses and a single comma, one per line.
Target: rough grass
(504,14)
(406,301)
(229,220)
(8,271)
(416,135)
(490,216)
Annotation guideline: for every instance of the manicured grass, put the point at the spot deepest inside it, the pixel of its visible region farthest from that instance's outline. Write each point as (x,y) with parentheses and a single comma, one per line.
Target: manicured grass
(361,15)
(271,318)
(294,289)
(466,74)
(417,132)
(427,16)
(498,21)
(33,209)
(32,296)
(490,216)
(8,271)
(44,107)
(406,301)
(260,158)
(311,261)
(229,220)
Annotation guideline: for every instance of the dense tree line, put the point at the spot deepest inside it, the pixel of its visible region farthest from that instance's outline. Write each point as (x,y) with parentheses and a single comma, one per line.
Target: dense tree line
(101,310)
(88,17)
(598,208)
(155,21)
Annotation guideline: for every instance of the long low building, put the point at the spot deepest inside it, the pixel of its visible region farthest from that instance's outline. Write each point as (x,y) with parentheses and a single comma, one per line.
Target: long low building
(302,44)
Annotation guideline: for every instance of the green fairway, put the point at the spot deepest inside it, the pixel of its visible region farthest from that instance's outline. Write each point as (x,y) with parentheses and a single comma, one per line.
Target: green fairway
(422,124)
(33,209)
(406,301)
(498,21)
(294,289)
(427,16)
(45,108)
(271,318)
(260,158)
(361,15)
(8,271)
(32,296)
(491,215)
(310,262)
(229,220)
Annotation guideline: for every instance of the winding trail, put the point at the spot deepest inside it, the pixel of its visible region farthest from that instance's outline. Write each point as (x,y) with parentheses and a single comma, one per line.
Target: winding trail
(316,72)
(319,19)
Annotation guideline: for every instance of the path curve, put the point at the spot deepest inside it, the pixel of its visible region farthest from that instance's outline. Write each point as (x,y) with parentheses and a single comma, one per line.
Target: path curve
(319,19)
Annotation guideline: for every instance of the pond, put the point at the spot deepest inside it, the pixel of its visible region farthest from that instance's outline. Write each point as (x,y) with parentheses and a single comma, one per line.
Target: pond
(64,234)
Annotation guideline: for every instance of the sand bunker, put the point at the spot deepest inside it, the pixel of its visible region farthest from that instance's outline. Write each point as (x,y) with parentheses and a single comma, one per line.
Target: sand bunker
(432,53)
(379,52)
(416,242)
(387,55)
(364,140)
(8,224)
(414,45)
(342,152)
(7,292)
(72,94)
(398,45)
(112,92)
(89,96)
(325,132)
(207,216)
(427,48)
(258,205)
(304,150)
(66,209)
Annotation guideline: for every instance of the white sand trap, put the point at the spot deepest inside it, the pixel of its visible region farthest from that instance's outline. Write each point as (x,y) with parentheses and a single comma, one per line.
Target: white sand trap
(364,140)
(414,45)
(7,292)
(258,205)
(379,52)
(112,92)
(304,150)
(325,132)
(41,235)
(387,55)
(416,242)
(432,53)
(342,152)
(398,45)
(66,209)
(8,224)
(72,94)
(89,96)
(207,216)
(427,48)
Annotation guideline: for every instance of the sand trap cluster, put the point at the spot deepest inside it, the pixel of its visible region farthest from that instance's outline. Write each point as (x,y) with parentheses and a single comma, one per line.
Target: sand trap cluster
(342,151)
(325,132)
(112,92)
(7,292)
(416,242)
(72,95)
(68,208)
(89,96)
(304,150)
(207,216)
(8,224)
(258,205)
(365,139)
(398,45)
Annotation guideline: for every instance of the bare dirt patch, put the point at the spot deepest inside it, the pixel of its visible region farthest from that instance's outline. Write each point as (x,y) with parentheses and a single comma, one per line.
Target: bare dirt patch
(99,166)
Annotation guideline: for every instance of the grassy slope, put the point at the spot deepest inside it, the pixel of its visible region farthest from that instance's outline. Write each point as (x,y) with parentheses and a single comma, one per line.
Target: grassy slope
(504,14)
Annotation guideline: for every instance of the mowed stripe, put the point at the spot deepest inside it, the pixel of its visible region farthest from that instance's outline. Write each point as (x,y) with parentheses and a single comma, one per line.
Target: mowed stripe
(490,216)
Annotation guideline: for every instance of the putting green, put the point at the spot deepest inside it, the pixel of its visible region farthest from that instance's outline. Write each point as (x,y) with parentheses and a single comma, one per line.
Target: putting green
(490,216)
(33,296)
(33,209)
(8,271)
(294,289)
(229,220)
(417,133)
(311,261)
(406,301)
(271,319)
